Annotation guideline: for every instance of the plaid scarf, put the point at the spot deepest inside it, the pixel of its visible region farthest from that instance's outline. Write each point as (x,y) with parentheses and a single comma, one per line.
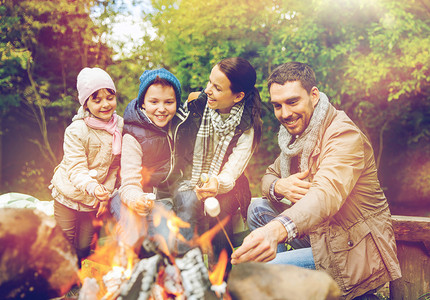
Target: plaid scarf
(207,157)
(304,143)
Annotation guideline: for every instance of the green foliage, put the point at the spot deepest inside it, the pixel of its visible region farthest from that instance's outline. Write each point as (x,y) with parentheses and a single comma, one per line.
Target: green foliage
(370,57)
(43,46)
(425,296)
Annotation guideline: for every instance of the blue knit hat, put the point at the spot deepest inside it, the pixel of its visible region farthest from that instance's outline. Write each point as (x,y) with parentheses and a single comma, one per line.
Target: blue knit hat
(148,77)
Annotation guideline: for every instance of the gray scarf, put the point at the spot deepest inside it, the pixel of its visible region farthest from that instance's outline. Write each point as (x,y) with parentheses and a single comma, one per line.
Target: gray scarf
(304,143)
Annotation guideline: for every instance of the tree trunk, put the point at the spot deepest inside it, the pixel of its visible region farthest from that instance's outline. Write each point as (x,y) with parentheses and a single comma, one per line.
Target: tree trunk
(1,154)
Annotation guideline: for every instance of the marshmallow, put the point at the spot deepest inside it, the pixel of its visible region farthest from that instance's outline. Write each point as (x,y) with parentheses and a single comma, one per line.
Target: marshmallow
(212,206)
(92,173)
(151,196)
(204,178)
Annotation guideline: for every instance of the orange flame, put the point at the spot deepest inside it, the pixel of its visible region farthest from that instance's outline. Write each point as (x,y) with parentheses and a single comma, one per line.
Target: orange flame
(174,223)
(217,275)
(103,260)
(146,177)
(205,240)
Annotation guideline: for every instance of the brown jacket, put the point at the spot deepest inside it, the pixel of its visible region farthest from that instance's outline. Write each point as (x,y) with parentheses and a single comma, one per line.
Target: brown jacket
(345,211)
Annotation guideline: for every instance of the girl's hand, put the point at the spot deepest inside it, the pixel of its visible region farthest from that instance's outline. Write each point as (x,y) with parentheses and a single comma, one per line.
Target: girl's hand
(103,208)
(101,193)
(143,206)
(209,189)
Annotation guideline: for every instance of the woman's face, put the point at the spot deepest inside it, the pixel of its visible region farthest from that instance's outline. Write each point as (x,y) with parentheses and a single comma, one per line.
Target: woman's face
(220,96)
(103,105)
(160,104)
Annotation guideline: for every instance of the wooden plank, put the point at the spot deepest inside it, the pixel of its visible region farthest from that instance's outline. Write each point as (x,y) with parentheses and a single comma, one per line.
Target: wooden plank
(413,251)
(413,229)
(415,266)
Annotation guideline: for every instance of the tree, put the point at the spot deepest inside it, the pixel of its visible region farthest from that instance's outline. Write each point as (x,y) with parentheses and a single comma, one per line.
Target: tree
(371,58)
(44,46)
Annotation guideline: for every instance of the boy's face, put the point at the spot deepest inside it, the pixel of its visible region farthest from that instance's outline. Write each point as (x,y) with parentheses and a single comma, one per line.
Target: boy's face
(103,105)
(160,104)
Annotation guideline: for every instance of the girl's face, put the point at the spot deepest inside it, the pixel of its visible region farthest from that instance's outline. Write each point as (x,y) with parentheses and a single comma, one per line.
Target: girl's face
(103,105)
(160,104)
(220,96)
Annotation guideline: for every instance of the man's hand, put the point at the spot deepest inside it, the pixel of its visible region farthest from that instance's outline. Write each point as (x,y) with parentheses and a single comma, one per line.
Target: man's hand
(294,187)
(261,244)
(209,189)
(101,193)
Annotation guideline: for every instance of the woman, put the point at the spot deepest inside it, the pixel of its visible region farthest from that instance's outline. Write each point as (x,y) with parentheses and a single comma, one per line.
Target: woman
(219,137)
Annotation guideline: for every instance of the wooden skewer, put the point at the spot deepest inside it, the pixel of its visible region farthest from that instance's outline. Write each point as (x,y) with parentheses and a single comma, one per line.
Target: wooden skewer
(225,233)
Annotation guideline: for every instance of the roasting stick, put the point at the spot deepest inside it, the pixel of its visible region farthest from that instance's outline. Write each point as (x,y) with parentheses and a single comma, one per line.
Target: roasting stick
(213,209)
(226,235)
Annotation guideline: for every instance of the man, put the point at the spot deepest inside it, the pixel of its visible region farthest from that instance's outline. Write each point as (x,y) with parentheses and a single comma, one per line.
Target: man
(327,170)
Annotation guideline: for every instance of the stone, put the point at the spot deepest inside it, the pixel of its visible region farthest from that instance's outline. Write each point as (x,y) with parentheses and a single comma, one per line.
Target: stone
(36,260)
(269,281)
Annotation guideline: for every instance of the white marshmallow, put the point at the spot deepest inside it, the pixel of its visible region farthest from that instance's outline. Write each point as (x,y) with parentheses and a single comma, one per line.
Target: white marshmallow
(204,178)
(92,173)
(150,196)
(212,206)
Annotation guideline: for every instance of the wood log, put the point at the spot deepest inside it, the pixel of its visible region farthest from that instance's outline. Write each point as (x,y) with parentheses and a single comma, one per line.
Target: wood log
(36,260)
(413,251)
(269,281)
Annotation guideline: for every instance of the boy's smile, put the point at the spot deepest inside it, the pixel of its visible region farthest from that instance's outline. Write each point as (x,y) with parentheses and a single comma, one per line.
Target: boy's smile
(160,104)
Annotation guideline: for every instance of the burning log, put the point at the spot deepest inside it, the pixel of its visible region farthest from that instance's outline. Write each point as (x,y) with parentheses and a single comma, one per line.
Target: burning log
(36,260)
(269,281)
(159,274)
(195,278)
(140,284)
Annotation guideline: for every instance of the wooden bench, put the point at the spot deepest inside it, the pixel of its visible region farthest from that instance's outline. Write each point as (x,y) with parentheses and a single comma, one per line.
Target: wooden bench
(413,251)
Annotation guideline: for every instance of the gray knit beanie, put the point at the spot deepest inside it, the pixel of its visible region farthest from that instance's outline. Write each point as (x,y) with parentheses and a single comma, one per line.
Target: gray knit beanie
(148,77)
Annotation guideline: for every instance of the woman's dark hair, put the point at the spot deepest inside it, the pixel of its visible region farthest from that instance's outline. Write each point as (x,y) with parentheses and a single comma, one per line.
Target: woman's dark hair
(242,78)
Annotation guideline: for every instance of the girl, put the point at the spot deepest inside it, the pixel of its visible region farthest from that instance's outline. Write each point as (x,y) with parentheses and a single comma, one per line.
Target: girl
(222,132)
(85,178)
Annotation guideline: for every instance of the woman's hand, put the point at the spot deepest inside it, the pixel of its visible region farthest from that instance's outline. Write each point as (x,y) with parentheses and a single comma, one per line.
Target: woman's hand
(208,189)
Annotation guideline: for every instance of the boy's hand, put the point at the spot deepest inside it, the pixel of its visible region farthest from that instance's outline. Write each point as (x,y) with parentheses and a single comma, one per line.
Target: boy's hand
(143,206)
(208,189)
(101,193)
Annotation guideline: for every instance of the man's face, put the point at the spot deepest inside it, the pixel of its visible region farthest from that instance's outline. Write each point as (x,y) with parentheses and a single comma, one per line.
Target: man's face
(293,106)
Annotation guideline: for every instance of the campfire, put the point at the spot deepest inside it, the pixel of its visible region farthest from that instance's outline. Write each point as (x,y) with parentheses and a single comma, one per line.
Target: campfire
(117,271)
(37,262)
